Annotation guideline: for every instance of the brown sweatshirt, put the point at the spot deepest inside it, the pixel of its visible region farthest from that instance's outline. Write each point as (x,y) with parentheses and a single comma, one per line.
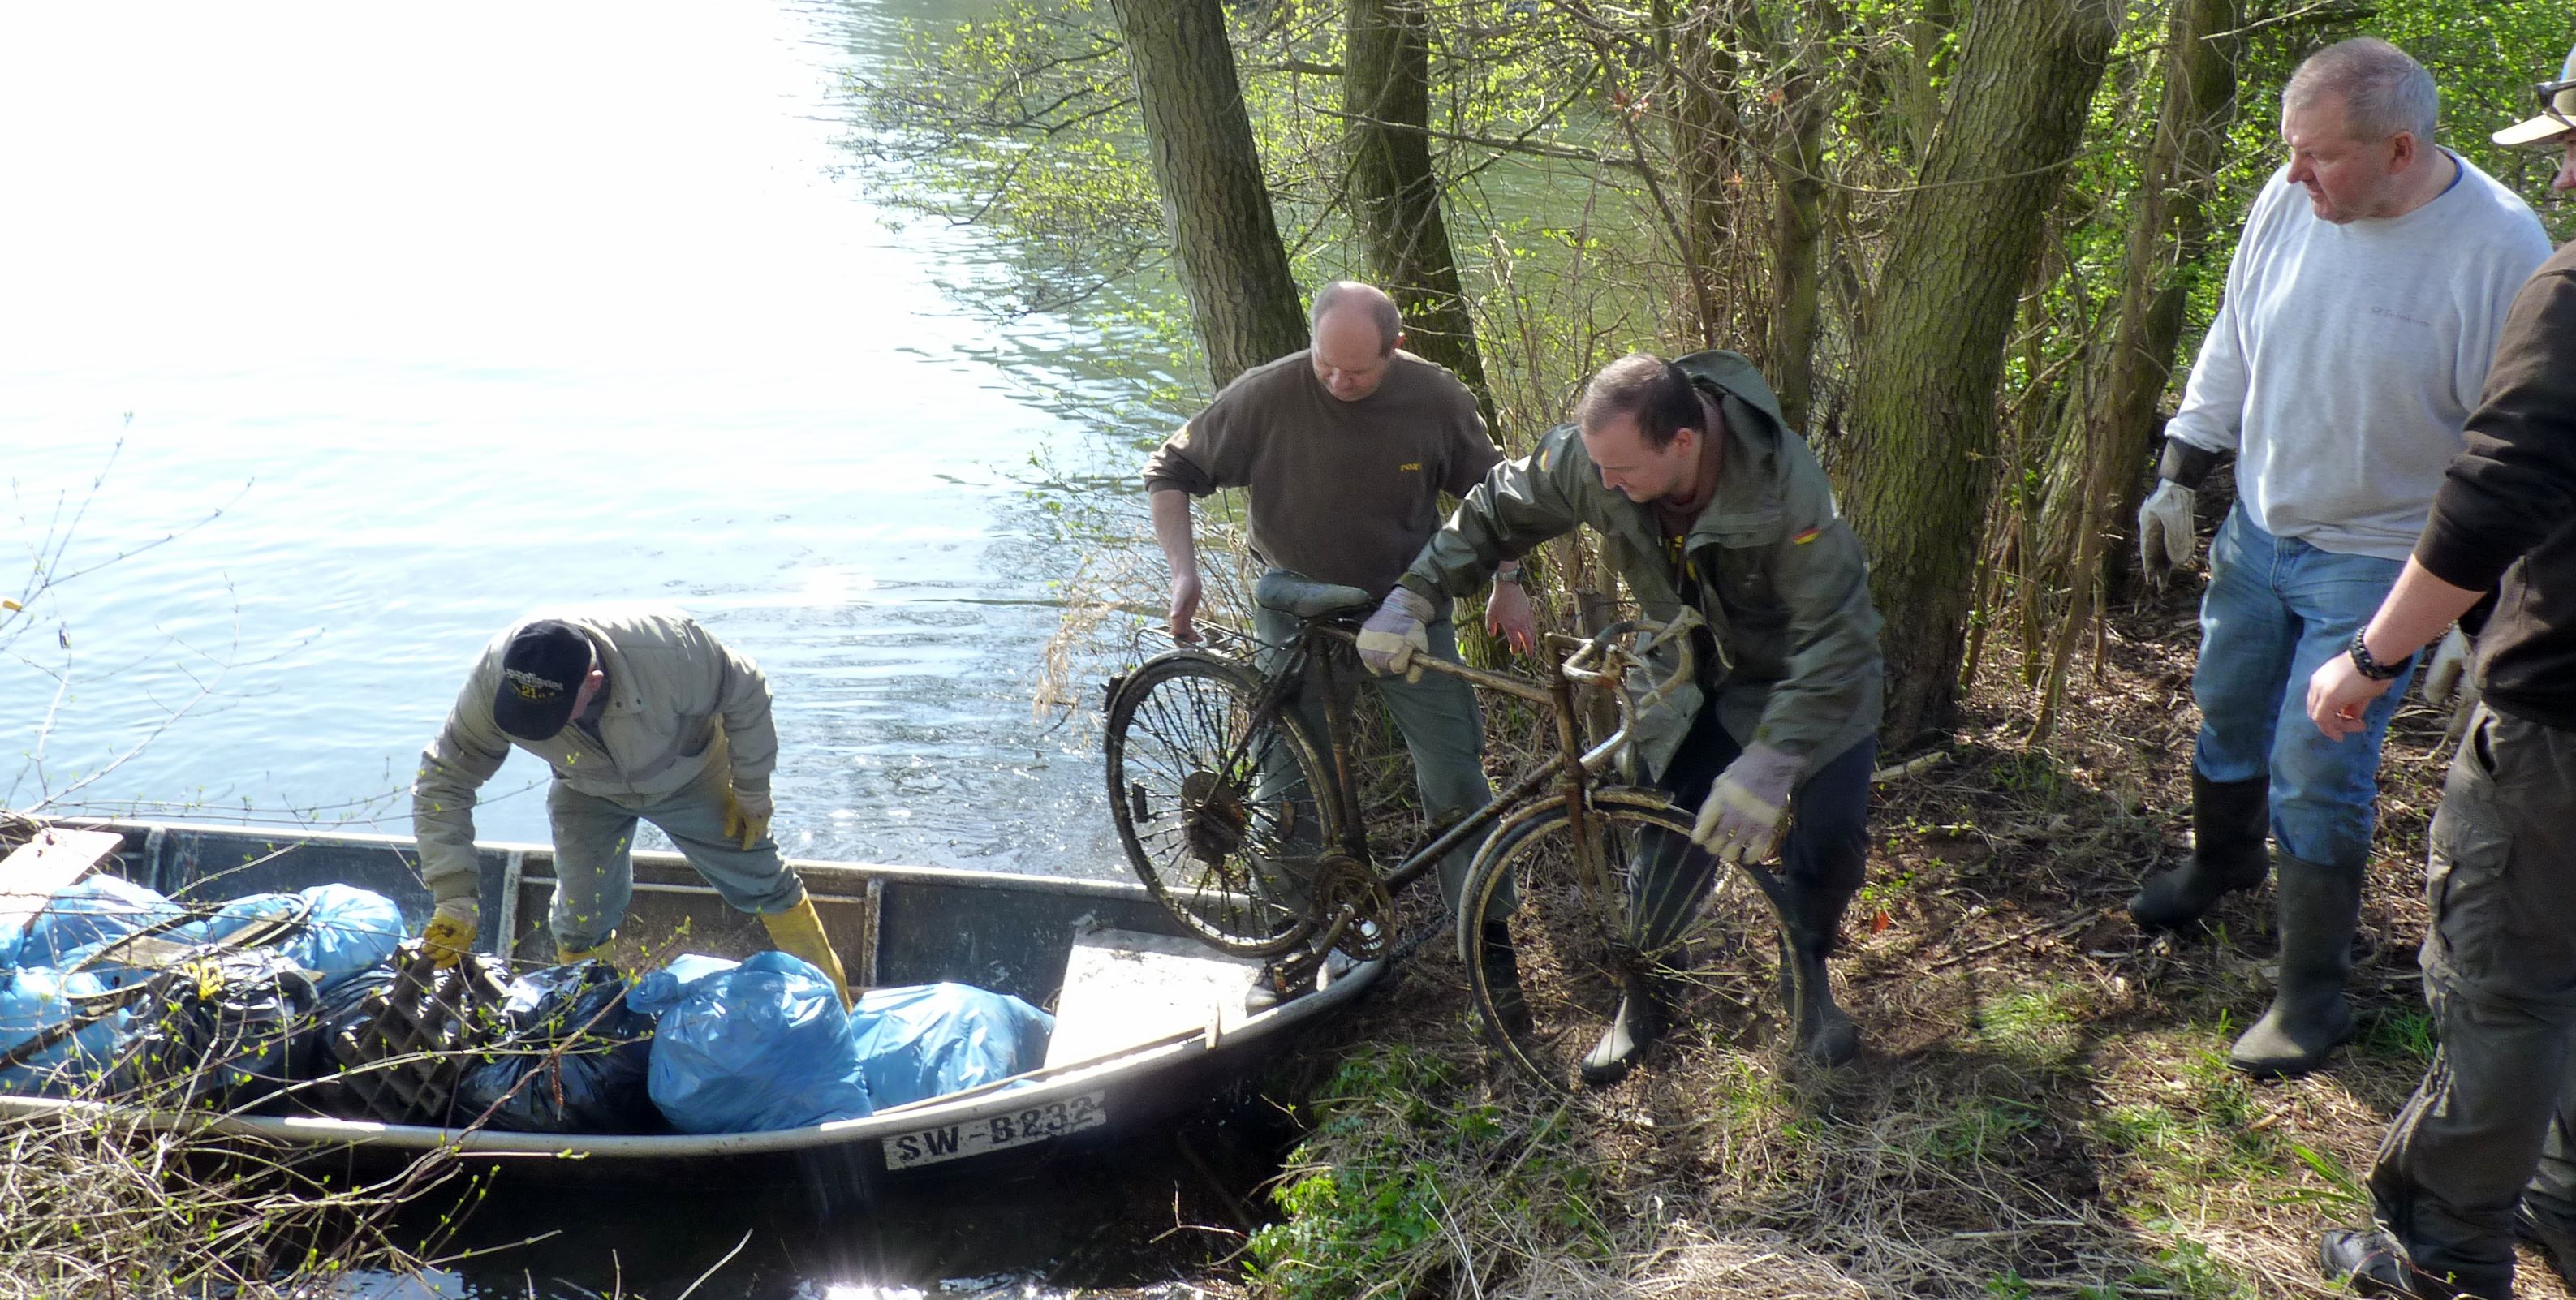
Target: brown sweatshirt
(2507,506)
(1342,492)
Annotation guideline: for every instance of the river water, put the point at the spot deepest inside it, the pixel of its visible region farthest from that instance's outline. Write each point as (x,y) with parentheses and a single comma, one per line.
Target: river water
(397,323)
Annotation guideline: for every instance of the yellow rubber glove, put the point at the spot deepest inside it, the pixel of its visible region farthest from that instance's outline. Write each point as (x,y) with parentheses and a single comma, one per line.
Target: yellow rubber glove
(449,936)
(747,814)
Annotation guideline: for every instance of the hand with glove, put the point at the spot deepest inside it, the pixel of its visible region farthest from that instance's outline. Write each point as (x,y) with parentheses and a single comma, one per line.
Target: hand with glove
(1742,814)
(449,936)
(2449,670)
(2165,540)
(747,813)
(1395,633)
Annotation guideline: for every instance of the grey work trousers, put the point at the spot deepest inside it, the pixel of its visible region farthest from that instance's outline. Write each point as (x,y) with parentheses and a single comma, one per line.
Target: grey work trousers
(1440,723)
(2490,1123)
(595,863)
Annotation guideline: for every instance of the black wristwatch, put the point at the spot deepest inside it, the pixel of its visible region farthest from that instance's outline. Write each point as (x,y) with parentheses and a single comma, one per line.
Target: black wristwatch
(2370,667)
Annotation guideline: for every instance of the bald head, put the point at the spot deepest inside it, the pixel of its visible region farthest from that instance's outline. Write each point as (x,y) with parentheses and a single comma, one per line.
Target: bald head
(1356,333)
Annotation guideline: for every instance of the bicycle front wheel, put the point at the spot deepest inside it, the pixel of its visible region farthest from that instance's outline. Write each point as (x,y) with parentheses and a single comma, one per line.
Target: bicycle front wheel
(1222,810)
(1706,937)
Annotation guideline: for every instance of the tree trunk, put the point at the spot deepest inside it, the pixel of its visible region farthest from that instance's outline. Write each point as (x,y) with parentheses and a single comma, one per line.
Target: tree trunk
(1704,127)
(1394,197)
(1242,299)
(1798,224)
(1922,415)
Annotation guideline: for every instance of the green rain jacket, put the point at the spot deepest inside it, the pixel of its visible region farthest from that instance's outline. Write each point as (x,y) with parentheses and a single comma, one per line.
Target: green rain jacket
(1789,600)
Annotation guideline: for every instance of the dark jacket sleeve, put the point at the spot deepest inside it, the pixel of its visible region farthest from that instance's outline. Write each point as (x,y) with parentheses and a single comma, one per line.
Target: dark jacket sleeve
(2515,482)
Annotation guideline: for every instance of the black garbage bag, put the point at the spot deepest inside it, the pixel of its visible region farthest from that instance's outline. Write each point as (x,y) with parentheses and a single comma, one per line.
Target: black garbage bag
(575,1058)
(216,1028)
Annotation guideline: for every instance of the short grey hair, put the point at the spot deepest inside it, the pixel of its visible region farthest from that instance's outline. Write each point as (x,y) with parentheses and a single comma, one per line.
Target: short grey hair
(2382,88)
(1381,310)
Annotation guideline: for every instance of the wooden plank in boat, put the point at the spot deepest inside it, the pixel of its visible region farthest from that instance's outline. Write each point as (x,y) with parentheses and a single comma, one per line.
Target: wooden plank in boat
(33,871)
(1125,989)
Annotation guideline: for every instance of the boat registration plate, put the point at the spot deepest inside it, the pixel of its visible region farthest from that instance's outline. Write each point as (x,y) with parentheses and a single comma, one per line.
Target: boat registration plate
(974,1137)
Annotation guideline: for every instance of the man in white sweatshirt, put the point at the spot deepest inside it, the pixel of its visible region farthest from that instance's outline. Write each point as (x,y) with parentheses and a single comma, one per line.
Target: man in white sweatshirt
(2360,312)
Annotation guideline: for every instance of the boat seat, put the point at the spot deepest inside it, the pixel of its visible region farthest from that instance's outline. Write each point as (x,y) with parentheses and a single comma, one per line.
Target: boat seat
(1292,593)
(1124,988)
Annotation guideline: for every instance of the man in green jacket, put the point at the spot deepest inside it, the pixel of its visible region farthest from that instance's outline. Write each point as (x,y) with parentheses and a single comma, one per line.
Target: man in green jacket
(1703,498)
(643,715)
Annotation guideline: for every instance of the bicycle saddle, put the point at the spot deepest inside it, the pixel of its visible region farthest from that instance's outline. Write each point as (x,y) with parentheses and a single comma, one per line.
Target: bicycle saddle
(1294,593)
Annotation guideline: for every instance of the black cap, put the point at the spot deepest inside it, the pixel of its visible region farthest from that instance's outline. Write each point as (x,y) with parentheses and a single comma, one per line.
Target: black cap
(541,674)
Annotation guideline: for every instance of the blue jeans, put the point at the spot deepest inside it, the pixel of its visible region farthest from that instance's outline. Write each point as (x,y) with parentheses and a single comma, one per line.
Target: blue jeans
(2276,609)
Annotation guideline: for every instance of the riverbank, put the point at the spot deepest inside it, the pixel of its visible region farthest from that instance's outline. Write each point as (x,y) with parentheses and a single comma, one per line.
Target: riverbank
(2044,1106)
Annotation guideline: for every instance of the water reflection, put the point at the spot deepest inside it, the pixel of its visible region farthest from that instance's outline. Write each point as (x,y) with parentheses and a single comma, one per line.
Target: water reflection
(587,313)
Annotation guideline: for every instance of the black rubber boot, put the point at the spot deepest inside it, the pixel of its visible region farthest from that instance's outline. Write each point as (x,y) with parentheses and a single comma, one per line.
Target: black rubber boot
(1503,977)
(1811,920)
(1640,1022)
(2228,822)
(2320,910)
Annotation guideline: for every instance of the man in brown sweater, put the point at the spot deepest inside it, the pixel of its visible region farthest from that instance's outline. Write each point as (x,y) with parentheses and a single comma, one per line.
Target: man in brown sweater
(1346,448)
(2487,1146)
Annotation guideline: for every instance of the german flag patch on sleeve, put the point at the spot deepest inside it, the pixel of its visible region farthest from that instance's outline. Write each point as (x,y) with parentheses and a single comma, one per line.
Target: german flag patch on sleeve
(1801,539)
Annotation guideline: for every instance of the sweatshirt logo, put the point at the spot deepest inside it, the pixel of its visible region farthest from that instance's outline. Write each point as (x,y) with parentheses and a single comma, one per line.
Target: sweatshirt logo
(1409,467)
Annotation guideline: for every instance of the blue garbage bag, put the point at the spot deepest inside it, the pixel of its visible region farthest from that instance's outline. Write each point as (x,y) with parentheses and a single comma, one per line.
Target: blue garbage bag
(929,1040)
(758,1046)
(348,930)
(34,999)
(87,913)
(231,916)
(576,1059)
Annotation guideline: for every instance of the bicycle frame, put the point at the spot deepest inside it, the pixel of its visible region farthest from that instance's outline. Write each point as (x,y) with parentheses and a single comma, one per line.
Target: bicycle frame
(1313,659)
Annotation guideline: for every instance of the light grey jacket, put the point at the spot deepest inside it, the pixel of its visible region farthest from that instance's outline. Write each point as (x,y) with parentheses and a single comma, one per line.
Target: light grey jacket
(1789,601)
(678,699)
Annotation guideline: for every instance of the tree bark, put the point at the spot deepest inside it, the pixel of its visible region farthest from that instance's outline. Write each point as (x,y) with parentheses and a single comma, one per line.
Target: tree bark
(1394,196)
(1704,128)
(1798,223)
(1242,299)
(1922,415)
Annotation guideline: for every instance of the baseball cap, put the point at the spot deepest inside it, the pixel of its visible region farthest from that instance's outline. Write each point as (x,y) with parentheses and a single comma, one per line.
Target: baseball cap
(541,674)
(2558,111)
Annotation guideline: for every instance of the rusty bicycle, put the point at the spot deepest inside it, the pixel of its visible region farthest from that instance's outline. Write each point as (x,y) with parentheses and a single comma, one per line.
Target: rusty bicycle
(1247,827)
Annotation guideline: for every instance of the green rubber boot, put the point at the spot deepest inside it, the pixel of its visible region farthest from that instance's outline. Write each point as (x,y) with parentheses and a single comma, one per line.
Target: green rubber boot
(2320,910)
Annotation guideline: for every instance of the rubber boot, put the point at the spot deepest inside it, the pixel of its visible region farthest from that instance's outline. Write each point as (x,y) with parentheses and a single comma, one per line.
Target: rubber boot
(798,932)
(2228,822)
(596,952)
(1639,1022)
(1503,977)
(1811,920)
(2320,909)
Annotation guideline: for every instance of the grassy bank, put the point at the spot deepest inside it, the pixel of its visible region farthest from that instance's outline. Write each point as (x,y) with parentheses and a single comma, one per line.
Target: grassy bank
(2044,1107)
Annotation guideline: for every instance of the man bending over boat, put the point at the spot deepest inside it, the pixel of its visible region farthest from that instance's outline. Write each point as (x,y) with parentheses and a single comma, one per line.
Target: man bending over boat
(642,714)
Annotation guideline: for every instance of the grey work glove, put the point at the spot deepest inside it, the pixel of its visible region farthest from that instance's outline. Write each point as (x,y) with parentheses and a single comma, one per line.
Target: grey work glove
(1742,814)
(1395,633)
(2165,540)
(2448,670)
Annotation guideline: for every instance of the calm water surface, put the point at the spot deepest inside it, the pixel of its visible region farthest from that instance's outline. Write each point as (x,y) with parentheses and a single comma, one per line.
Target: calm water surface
(408,320)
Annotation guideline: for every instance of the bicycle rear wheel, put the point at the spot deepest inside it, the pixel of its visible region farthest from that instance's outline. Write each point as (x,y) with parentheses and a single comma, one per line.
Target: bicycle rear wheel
(1707,936)
(1223,812)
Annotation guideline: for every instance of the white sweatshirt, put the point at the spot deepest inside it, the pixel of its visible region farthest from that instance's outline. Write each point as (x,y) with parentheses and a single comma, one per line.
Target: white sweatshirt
(2345,358)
